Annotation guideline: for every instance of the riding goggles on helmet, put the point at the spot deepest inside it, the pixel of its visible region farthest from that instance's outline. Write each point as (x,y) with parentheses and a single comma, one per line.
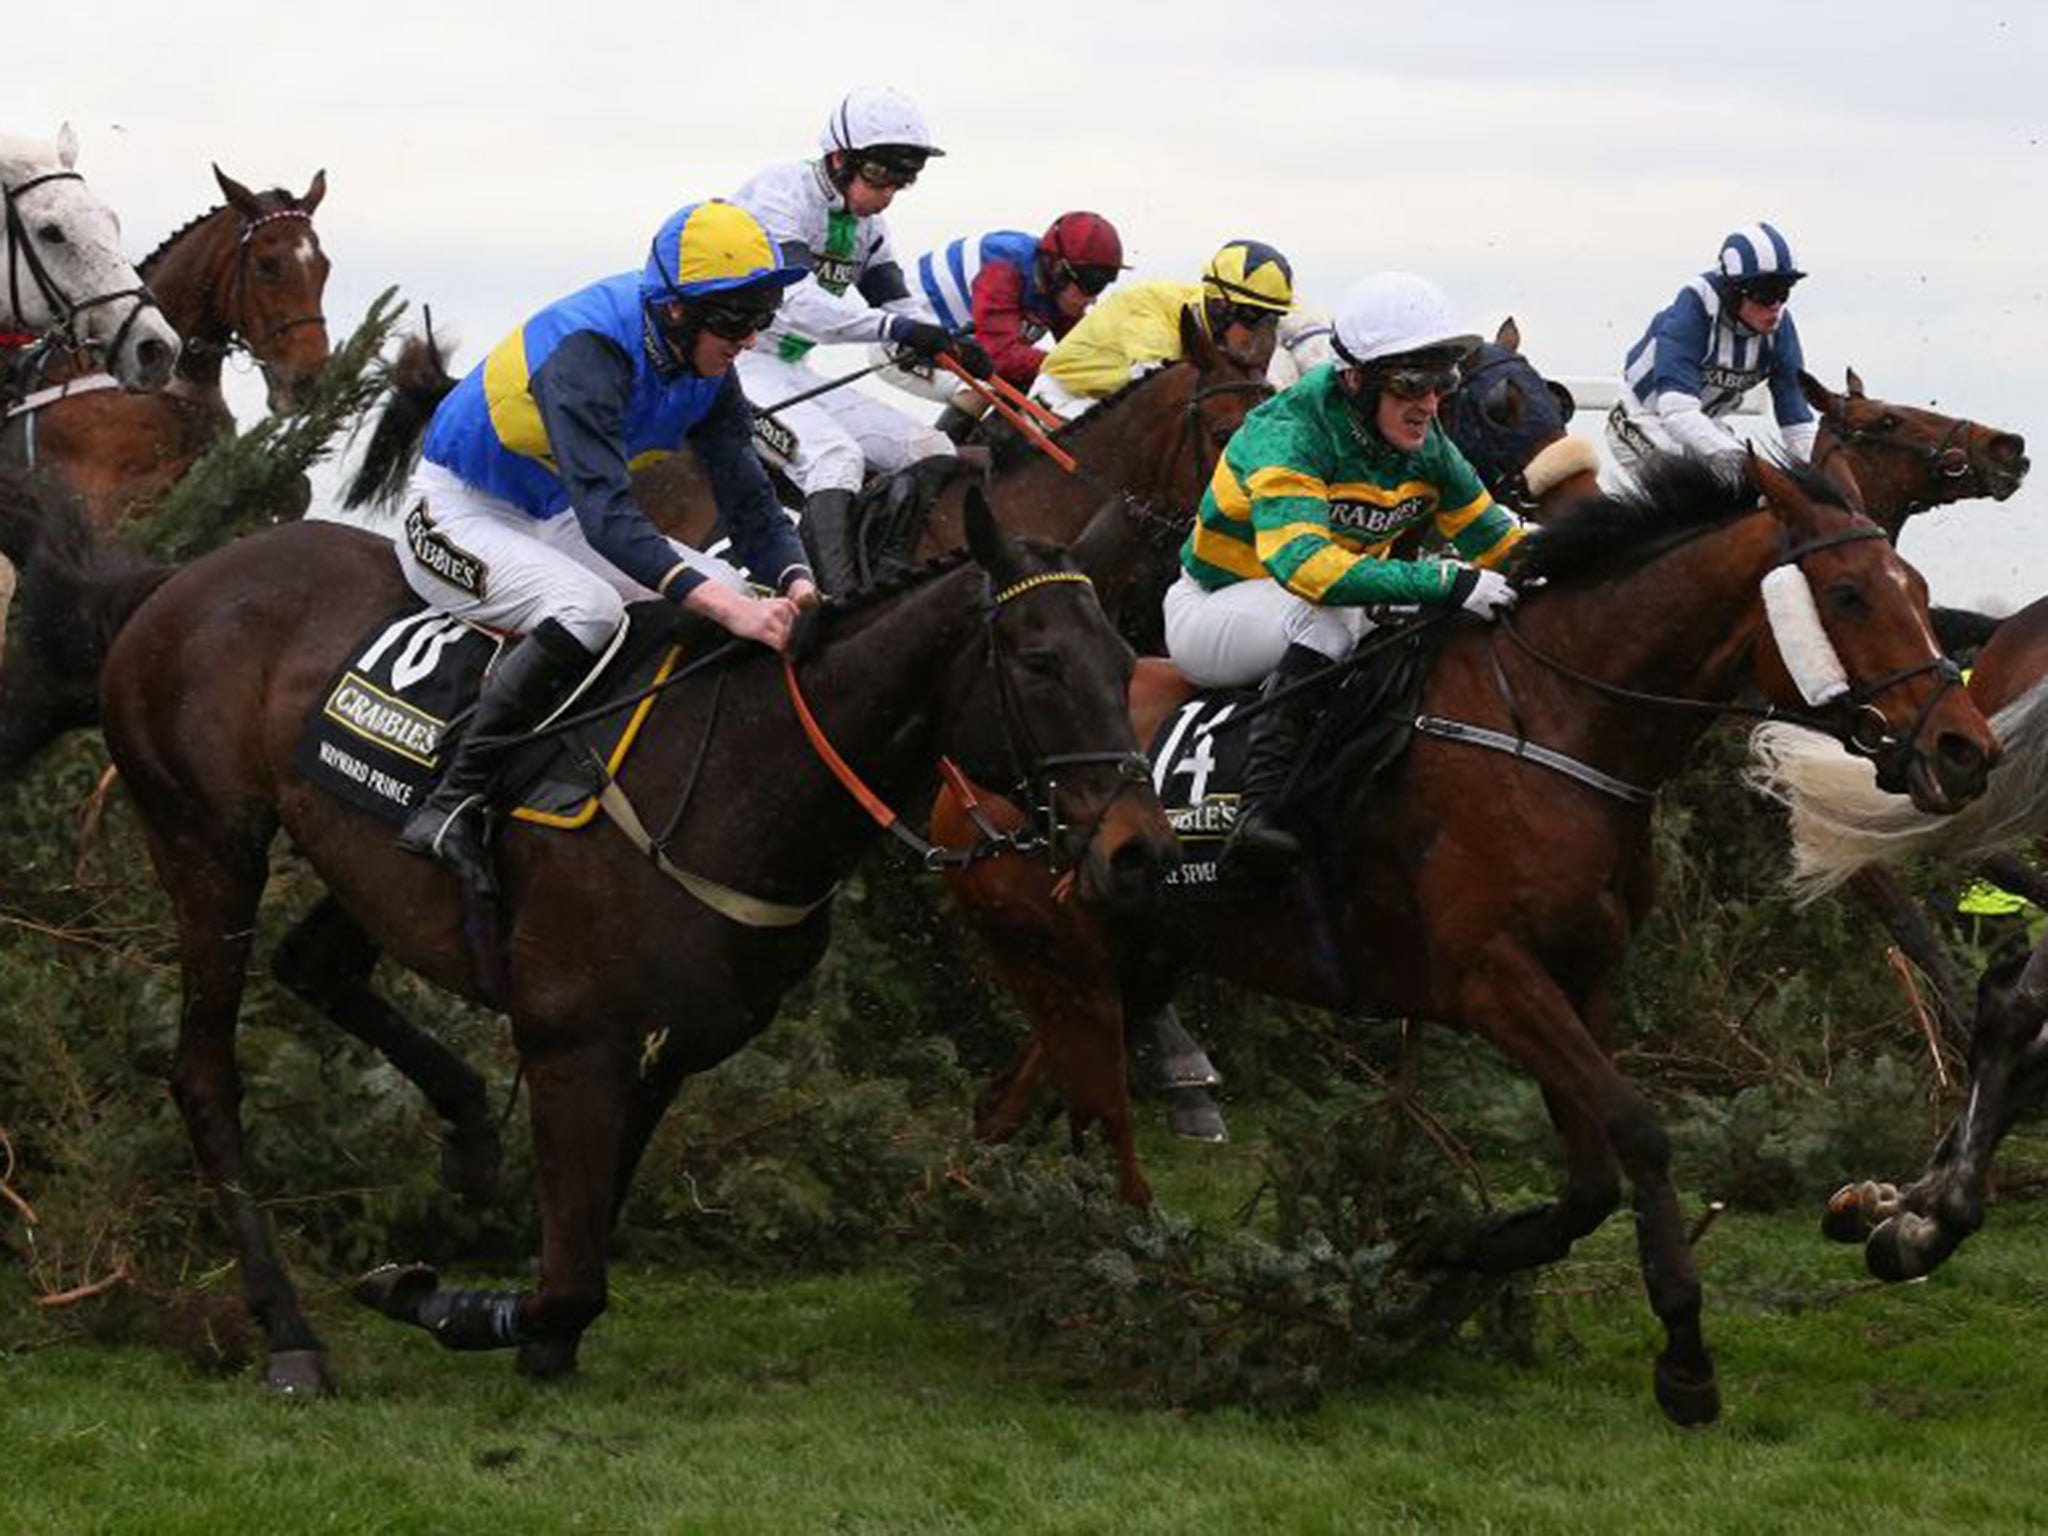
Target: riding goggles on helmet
(1244,314)
(1414,383)
(1766,290)
(889,168)
(736,319)
(1090,280)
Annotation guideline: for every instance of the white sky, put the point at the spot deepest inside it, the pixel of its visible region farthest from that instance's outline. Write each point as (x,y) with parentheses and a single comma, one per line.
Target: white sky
(1570,163)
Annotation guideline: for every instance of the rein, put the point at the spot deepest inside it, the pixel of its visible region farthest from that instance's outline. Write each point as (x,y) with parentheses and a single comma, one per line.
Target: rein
(21,253)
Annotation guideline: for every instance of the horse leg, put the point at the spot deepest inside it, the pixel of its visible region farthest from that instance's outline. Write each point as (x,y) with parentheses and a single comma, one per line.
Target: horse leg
(327,960)
(1879,890)
(1516,1004)
(215,896)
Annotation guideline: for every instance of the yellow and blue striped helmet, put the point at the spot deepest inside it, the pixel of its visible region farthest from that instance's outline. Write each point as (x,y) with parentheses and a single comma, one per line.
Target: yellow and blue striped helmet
(713,247)
(1252,273)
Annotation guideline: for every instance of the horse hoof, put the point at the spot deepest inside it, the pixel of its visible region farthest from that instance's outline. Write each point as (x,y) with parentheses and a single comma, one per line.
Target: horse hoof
(396,1290)
(1906,1247)
(471,1161)
(1690,1402)
(548,1359)
(1193,1116)
(1844,1220)
(298,1374)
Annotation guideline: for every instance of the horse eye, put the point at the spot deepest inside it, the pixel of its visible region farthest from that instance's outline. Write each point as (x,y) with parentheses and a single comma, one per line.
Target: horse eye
(1887,422)
(1044,663)
(1499,405)
(1846,598)
(269,268)
(51,234)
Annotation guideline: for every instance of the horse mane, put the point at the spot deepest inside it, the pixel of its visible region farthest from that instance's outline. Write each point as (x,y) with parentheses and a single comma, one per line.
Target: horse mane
(1676,498)
(1011,446)
(283,198)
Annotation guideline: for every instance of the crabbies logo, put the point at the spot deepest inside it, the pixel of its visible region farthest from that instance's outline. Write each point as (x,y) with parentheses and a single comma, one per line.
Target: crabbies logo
(1739,379)
(360,706)
(836,274)
(1375,521)
(432,548)
(775,437)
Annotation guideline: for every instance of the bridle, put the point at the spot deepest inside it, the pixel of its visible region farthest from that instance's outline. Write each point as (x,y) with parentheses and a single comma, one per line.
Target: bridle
(1487,445)
(22,256)
(1853,719)
(1950,459)
(236,317)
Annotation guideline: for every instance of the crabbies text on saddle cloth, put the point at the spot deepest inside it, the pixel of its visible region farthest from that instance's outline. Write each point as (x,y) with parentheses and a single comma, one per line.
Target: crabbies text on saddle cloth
(383,728)
(1197,772)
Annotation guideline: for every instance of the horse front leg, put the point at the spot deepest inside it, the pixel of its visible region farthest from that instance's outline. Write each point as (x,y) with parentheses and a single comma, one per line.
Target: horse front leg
(1514,1002)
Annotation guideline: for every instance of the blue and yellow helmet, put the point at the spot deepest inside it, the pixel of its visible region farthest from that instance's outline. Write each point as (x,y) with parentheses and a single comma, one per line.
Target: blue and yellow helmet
(709,248)
(1252,273)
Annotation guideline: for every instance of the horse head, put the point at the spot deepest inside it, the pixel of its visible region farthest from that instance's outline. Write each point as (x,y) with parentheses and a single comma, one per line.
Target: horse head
(1905,460)
(270,293)
(1043,716)
(1514,427)
(60,248)
(1848,639)
(1222,391)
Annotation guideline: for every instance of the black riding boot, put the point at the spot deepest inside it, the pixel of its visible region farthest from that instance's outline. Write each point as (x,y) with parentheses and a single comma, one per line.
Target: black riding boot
(1257,837)
(832,541)
(534,676)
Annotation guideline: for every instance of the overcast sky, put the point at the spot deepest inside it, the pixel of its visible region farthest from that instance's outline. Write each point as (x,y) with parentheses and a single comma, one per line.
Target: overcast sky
(1569,163)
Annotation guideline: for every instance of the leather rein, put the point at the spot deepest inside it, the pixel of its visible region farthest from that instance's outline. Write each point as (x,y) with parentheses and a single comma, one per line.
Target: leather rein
(22,256)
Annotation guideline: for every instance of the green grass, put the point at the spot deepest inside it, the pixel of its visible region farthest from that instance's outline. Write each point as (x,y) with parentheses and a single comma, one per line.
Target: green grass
(833,1405)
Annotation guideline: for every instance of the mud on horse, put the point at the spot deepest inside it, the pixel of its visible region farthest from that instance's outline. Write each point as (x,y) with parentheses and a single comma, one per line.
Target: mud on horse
(1496,890)
(620,985)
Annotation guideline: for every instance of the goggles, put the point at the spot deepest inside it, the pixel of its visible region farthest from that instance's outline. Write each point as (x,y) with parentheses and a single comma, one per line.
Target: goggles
(1766,290)
(1090,280)
(733,321)
(1228,314)
(1414,383)
(884,175)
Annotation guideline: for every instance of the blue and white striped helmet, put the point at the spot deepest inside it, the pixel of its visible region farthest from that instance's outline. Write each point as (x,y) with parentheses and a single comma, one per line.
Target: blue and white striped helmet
(1758,250)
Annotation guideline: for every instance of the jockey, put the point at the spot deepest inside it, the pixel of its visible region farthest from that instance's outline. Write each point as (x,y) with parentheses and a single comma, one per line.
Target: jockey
(1726,332)
(827,216)
(522,515)
(1296,533)
(1244,290)
(1015,289)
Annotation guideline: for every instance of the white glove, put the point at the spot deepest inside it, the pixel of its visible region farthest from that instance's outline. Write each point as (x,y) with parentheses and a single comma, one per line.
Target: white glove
(1489,596)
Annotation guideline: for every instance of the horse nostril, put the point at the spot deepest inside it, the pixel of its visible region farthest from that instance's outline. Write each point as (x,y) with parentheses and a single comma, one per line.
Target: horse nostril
(1961,756)
(153,355)
(2008,448)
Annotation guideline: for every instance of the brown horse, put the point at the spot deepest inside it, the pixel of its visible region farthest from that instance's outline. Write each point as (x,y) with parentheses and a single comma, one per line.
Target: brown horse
(1906,460)
(1497,893)
(619,985)
(247,276)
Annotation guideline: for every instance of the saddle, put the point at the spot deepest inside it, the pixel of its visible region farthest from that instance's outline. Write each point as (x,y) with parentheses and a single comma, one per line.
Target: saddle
(1366,722)
(891,510)
(390,718)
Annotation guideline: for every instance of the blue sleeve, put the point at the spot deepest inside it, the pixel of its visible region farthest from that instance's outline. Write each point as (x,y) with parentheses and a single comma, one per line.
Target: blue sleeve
(583,390)
(1682,335)
(1788,400)
(763,538)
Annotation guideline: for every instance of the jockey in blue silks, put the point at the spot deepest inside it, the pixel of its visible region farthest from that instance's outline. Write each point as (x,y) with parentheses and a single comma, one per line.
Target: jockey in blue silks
(1726,332)
(521,515)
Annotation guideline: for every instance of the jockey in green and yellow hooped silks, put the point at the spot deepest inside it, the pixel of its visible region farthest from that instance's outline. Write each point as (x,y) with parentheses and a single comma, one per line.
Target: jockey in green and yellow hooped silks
(1244,291)
(1296,532)
(521,514)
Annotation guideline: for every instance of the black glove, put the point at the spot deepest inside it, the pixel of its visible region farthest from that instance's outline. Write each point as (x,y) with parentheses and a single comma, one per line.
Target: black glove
(972,356)
(920,338)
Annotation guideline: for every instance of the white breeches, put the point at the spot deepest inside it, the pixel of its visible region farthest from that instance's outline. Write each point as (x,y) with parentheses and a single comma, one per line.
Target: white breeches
(481,559)
(841,434)
(1233,637)
(1051,393)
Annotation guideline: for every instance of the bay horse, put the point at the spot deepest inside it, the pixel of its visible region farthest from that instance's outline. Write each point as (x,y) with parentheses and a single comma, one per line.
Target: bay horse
(1497,891)
(1844,832)
(60,248)
(246,276)
(619,984)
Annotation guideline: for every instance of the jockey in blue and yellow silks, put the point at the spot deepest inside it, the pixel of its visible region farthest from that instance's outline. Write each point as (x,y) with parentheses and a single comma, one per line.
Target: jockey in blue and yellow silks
(521,514)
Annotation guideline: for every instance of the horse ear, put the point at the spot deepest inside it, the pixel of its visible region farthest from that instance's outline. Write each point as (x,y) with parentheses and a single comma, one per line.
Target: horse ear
(242,199)
(1509,335)
(1771,482)
(1855,384)
(1818,395)
(67,146)
(315,192)
(986,541)
(1195,344)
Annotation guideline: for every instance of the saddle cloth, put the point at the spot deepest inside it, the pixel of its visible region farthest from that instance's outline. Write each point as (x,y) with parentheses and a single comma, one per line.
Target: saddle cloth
(391,716)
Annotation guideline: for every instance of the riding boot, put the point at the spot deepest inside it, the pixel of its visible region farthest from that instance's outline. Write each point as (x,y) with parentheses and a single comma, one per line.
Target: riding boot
(832,540)
(1277,734)
(534,677)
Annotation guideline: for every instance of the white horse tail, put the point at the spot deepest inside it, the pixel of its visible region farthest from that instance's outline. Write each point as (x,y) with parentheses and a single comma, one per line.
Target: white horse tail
(1841,821)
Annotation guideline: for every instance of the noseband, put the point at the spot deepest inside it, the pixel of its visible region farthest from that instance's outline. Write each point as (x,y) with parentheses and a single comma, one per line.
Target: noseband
(1951,459)
(21,254)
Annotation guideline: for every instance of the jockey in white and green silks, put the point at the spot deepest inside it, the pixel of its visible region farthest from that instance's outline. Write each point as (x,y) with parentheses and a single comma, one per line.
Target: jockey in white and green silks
(1296,533)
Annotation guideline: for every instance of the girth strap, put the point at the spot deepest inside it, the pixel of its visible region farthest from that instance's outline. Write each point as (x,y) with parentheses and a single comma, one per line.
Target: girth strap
(749,911)
(1515,746)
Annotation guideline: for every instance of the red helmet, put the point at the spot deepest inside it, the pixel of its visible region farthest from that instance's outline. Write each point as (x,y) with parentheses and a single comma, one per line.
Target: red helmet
(1083,240)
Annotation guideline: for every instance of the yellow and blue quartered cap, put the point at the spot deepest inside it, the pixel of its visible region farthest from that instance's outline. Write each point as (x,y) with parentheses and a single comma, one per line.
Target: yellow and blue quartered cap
(1251,272)
(713,247)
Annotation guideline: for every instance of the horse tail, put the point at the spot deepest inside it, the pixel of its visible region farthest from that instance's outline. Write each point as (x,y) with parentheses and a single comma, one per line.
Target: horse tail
(1841,821)
(419,380)
(73,593)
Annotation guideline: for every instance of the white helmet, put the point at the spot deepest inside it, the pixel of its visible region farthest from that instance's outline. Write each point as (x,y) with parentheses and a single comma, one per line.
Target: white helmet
(869,115)
(1389,314)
